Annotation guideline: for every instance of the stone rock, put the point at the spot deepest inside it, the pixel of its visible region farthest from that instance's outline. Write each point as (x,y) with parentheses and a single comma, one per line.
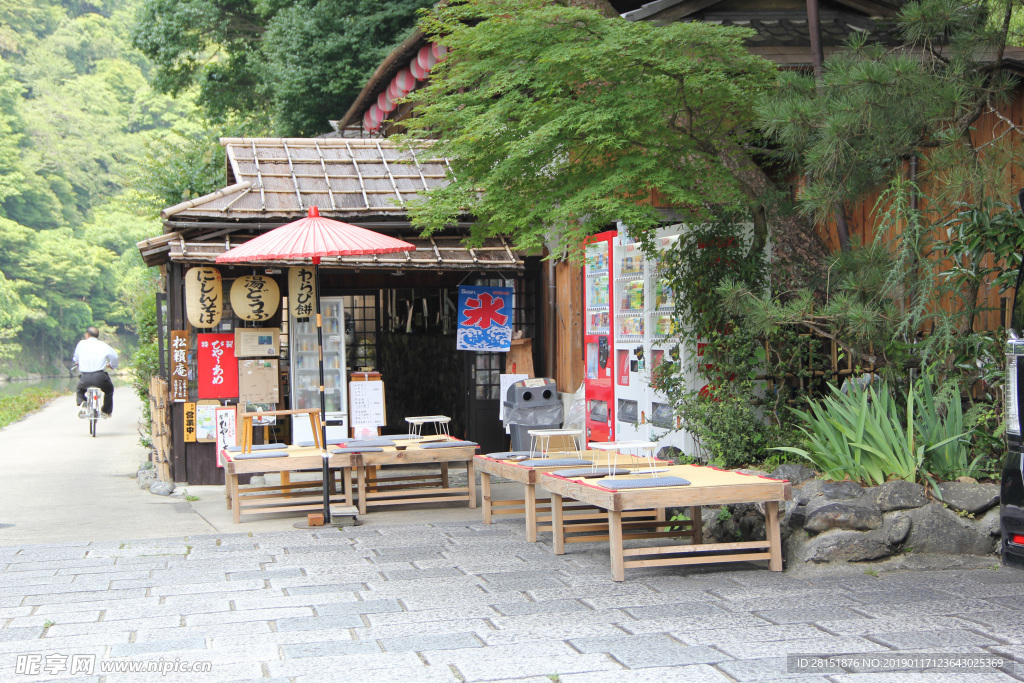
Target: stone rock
(795,474)
(257,480)
(899,495)
(989,524)
(756,473)
(967,480)
(842,490)
(971,498)
(937,529)
(161,488)
(857,513)
(144,478)
(845,545)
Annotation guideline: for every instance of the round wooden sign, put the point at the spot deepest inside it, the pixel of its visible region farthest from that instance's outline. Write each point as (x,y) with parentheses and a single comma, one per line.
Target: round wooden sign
(204,296)
(255,297)
(301,290)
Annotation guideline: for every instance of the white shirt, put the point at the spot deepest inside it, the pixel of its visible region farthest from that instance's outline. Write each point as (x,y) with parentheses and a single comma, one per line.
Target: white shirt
(92,355)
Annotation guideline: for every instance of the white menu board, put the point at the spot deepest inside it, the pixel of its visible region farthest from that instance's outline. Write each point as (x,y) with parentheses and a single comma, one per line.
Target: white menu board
(366,403)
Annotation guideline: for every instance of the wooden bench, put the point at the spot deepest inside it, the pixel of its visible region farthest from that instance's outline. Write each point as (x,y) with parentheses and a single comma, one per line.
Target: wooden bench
(709,486)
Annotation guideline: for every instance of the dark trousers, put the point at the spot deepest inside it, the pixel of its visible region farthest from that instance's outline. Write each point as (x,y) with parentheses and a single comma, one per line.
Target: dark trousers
(96,379)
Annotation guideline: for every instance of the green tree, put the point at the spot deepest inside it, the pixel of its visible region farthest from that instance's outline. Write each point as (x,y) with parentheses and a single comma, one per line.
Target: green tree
(302,62)
(559,121)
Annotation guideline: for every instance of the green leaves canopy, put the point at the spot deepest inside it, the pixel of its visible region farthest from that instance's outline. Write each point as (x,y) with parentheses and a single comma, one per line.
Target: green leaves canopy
(302,62)
(559,121)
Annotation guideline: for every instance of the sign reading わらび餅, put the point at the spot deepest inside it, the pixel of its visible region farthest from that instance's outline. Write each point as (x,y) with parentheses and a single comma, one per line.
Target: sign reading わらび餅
(216,366)
(485,319)
(301,287)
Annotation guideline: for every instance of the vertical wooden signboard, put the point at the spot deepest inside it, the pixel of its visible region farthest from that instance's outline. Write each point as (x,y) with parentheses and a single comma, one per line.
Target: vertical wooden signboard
(179,366)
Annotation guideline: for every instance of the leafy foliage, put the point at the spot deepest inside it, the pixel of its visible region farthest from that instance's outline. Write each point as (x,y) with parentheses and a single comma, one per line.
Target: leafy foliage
(559,121)
(13,408)
(303,63)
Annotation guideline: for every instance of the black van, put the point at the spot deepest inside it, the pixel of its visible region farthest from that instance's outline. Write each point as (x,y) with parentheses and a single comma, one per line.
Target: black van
(1011,492)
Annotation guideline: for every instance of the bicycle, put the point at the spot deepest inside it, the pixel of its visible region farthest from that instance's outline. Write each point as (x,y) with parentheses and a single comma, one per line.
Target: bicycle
(93,402)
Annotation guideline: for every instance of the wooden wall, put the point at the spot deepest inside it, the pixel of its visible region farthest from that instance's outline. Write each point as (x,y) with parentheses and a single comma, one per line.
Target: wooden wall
(568,327)
(865,217)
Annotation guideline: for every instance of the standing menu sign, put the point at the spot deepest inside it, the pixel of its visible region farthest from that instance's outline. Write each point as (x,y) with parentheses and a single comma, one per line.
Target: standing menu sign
(216,366)
(179,366)
(366,404)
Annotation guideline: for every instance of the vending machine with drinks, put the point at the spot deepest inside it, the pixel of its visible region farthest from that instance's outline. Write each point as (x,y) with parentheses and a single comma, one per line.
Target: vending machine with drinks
(597,341)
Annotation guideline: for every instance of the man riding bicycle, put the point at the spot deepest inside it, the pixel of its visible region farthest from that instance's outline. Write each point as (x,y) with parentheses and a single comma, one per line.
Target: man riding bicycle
(92,357)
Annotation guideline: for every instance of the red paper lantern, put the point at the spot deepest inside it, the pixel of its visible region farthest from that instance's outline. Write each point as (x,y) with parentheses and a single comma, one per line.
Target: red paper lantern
(368,122)
(439,51)
(417,71)
(376,115)
(425,58)
(385,103)
(404,82)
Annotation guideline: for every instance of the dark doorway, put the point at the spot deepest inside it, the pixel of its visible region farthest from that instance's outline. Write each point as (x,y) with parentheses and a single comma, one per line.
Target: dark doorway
(483,400)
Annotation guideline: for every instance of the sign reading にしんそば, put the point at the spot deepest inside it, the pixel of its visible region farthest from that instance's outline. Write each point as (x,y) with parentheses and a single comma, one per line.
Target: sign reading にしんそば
(301,290)
(216,366)
(255,297)
(204,296)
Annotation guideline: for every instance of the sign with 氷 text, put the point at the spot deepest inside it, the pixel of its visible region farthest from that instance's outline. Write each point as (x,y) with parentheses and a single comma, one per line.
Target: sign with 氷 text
(179,366)
(204,296)
(301,290)
(485,319)
(216,366)
(255,297)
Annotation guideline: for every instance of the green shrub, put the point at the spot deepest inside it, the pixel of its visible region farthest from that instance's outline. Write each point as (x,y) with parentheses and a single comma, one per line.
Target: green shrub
(865,435)
(944,429)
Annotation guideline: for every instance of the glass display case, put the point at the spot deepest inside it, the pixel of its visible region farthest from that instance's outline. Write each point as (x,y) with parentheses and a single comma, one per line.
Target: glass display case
(305,370)
(599,362)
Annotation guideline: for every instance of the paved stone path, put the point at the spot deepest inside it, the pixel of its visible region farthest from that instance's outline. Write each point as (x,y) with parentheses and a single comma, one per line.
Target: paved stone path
(468,602)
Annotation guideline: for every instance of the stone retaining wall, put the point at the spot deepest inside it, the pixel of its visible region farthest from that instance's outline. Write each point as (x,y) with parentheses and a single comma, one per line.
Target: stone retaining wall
(845,522)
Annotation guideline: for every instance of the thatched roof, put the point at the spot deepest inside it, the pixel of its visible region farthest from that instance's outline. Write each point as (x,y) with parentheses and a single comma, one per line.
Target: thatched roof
(343,177)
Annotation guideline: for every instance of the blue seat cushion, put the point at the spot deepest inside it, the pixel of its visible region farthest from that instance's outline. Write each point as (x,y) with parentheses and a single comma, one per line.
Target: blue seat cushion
(588,473)
(379,441)
(258,447)
(399,437)
(261,454)
(330,442)
(358,449)
(554,462)
(653,482)
(509,455)
(449,444)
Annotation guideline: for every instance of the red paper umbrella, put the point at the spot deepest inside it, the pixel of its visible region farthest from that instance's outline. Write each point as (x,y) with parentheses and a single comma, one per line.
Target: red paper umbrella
(314,237)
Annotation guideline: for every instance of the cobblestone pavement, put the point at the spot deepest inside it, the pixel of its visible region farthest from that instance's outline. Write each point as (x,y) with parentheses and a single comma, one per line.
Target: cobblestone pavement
(468,602)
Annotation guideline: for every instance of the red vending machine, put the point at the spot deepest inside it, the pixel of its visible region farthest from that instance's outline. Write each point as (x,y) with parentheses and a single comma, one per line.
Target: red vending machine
(597,341)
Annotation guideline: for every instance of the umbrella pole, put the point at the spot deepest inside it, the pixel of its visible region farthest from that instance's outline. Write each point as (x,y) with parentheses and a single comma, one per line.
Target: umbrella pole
(323,402)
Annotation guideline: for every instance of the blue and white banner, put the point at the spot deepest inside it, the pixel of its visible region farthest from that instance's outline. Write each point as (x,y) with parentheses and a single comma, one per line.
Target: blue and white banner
(485,319)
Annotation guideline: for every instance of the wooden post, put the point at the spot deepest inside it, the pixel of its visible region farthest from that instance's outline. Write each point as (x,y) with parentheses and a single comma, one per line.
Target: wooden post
(557,524)
(771,513)
(697,533)
(531,513)
(485,488)
(615,543)
(471,480)
(361,486)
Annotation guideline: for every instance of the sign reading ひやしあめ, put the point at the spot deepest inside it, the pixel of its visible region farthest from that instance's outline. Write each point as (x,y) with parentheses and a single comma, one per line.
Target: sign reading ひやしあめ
(216,366)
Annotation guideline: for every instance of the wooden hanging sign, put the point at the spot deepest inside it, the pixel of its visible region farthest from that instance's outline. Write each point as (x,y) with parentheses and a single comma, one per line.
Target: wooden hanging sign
(301,290)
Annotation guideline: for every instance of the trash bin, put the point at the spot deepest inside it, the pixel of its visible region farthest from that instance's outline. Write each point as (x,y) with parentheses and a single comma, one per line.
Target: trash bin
(531,404)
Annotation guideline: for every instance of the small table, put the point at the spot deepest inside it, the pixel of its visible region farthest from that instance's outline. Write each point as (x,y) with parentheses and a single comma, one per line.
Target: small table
(246,432)
(440,423)
(616,447)
(540,440)
(709,486)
